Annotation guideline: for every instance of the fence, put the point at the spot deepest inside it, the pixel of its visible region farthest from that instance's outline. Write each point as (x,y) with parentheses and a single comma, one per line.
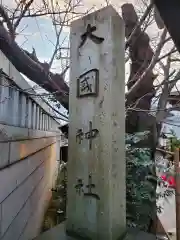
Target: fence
(29,150)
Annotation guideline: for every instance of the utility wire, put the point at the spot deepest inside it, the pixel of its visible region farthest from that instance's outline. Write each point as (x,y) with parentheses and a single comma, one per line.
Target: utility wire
(53,116)
(30,94)
(35,95)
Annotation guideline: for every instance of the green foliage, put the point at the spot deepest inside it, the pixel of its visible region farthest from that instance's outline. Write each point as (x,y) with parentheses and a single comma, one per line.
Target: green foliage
(175,142)
(140,183)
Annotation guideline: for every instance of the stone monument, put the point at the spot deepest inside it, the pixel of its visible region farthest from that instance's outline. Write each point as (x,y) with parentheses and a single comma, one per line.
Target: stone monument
(96,160)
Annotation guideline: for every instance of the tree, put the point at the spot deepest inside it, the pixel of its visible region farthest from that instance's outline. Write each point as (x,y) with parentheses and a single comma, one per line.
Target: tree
(153,75)
(145,85)
(28,63)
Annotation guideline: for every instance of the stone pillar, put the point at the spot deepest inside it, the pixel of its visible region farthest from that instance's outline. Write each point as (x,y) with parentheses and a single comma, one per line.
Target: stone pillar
(10,117)
(48,122)
(34,115)
(51,124)
(4,99)
(43,121)
(16,118)
(23,110)
(37,117)
(40,119)
(29,117)
(96,163)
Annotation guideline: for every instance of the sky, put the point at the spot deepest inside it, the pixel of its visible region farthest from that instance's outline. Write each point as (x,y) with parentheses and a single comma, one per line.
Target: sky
(39,32)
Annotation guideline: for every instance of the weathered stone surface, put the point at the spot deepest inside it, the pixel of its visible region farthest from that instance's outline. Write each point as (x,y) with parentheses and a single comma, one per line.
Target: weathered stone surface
(40,120)
(37,117)
(13,204)
(34,115)
(8,132)
(135,234)
(8,68)
(15,114)
(29,113)
(43,194)
(22,149)
(19,80)
(13,176)
(16,227)
(96,164)
(23,105)
(58,232)
(4,100)
(39,133)
(4,154)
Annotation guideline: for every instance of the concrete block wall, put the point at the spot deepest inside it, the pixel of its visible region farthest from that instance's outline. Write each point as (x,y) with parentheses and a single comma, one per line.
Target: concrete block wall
(27,173)
(29,150)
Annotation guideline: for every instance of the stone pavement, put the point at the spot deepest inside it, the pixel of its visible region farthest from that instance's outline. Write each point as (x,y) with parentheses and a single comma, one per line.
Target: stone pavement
(56,233)
(135,234)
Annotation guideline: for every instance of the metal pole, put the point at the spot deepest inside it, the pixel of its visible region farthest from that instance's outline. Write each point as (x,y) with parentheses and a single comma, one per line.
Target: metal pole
(177,192)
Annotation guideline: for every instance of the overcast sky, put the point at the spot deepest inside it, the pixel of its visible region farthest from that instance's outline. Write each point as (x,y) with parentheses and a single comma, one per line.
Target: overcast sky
(39,32)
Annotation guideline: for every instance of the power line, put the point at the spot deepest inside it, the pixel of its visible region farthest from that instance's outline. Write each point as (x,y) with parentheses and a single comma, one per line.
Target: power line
(35,95)
(11,79)
(54,109)
(40,31)
(30,94)
(53,116)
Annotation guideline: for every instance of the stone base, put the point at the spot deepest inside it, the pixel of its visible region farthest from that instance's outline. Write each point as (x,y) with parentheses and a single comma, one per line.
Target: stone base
(56,233)
(59,233)
(135,234)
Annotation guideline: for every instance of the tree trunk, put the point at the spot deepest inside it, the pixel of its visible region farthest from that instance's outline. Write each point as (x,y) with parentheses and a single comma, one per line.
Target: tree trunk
(138,157)
(36,71)
(140,128)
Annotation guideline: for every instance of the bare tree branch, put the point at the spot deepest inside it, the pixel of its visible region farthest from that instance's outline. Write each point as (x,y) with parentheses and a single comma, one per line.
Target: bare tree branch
(26,7)
(41,14)
(165,93)
(33,69)
(173,50)
(59,33)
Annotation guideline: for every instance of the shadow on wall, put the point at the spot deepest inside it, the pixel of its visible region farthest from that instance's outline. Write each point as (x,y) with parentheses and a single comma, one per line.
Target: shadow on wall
(64,153)
(56,211)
